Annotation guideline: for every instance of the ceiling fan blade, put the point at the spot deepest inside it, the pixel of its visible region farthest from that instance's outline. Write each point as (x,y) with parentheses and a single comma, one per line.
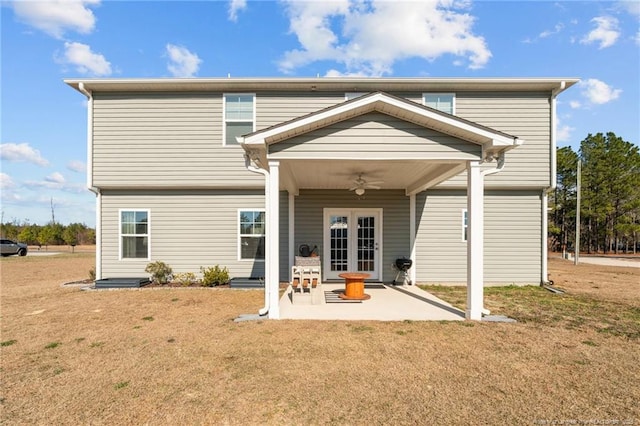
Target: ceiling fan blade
(375,182)
(353,188)
(372,186)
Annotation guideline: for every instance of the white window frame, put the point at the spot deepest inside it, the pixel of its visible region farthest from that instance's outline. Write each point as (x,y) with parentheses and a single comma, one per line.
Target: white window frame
(121,235)
(352,95)
(453,100)
(224,115)
(465,224)
(240,235)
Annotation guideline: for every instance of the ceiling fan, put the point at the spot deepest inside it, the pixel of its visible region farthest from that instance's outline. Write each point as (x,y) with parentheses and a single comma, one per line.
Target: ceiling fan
(361,184)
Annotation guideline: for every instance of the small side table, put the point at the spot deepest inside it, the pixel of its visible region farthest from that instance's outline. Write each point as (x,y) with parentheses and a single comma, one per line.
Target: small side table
(354,286)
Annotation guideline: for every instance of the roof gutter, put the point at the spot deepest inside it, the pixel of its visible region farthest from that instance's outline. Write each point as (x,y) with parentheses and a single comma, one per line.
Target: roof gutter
(247,163)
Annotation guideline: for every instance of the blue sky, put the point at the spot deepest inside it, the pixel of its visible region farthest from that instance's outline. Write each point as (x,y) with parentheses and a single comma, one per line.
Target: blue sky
(43,128)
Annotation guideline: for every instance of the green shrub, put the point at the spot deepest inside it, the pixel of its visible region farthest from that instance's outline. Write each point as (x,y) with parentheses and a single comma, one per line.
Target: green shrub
(185,278)
(160,272)
(214,276)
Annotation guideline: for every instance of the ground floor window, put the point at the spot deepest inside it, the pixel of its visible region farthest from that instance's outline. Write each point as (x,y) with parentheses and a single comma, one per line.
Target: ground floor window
(465,224)
(251,234)
(134,234)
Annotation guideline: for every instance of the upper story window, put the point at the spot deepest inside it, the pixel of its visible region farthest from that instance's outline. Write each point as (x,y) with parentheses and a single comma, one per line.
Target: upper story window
(445,102)
(134,234)
(352,95)
(239,116)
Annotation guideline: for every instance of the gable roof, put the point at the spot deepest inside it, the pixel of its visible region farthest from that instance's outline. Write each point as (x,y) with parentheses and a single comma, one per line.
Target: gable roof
(490,139)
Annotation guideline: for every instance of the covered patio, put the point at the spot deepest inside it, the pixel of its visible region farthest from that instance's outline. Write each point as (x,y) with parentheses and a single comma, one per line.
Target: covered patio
(387,303)
(405,146)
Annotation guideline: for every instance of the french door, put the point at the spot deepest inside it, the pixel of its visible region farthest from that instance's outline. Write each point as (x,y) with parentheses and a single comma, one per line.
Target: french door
(352,242)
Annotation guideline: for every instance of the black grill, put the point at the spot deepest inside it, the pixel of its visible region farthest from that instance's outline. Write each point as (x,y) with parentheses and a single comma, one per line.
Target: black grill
(403,264)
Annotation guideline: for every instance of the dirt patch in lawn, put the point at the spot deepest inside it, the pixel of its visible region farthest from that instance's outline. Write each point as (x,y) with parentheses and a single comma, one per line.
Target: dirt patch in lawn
(173,356)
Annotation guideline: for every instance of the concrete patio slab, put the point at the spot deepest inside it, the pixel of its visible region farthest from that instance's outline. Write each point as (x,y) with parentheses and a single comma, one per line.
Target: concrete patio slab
(387,303)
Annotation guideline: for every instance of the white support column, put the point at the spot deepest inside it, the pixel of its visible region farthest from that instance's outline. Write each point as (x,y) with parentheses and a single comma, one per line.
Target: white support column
(545,227)
(273,246)
(475,241)
(292,232)
(412,237)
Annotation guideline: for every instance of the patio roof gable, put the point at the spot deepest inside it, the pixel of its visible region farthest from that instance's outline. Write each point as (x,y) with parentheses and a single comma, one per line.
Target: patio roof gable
(491,140)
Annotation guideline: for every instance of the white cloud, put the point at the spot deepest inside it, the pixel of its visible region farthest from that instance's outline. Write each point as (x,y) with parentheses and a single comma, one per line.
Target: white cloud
(55,177)
(563,132)
(598,92)
(374,35)
(77,166)
(6,182)
(559,27)
(336,73)
(22,152)
(631,6)
(55,17)
(56,181)
(182,62)
(234,7)
(85,60)
(606,32)
(575,104)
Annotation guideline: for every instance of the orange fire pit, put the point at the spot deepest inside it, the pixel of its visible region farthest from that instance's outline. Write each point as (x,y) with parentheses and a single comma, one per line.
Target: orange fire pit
(354,286)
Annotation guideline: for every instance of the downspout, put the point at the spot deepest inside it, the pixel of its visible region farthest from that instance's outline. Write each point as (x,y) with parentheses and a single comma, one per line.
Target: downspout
(90,186)
(554,94)
(265,173)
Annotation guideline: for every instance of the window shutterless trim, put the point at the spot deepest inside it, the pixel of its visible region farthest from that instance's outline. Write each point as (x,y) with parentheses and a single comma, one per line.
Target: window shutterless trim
(120,235)
(224,115)
(239,234)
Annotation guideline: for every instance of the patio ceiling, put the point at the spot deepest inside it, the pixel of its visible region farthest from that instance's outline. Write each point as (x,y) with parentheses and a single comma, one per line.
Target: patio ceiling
(409,175)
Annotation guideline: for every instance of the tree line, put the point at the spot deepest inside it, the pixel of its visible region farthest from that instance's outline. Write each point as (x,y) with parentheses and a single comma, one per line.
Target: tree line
(610,196)
(52,233)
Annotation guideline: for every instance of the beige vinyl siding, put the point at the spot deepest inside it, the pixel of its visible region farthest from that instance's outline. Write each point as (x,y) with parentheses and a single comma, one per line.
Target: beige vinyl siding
(164,140)
(512,237)
(284,236)
(513,247)
(375,135)
(309,210)
(275,108)
(175,139)
(525,115)
(188,229)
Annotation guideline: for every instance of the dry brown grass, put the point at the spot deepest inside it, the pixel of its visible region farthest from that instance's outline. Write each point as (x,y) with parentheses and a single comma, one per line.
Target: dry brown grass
(174,356)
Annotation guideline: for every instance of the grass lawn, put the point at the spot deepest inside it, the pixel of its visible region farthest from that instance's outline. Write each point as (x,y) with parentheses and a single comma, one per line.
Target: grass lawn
(175,356)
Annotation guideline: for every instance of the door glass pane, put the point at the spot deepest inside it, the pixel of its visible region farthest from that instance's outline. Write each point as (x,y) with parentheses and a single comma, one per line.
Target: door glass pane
(366,243)
(339,227)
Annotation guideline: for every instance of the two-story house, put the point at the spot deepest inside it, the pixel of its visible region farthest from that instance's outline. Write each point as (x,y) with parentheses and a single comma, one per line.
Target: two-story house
(452,173)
